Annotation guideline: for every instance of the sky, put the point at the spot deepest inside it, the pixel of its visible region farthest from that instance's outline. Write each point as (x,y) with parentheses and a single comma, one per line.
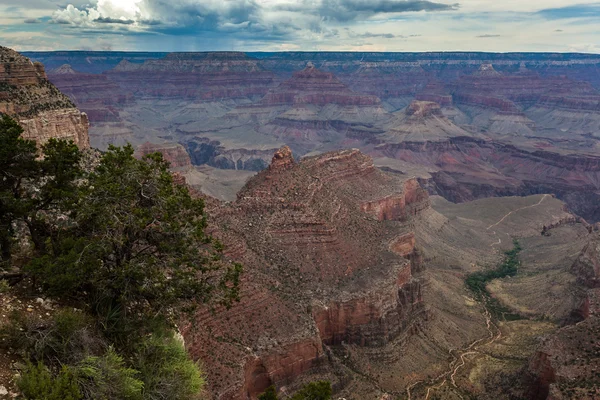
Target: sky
(306,25)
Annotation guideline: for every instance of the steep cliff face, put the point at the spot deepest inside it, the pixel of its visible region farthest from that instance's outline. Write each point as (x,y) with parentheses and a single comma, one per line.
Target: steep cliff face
(587,266)
(312,86)
(42,110)
(200,76)
(174,153)
(466,169)
(567,363)
(100,98)
(212,152)
(322,269)
(311,107)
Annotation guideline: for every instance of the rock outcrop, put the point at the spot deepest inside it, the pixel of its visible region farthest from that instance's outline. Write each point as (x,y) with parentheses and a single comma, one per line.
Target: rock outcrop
(567,363)
(42,110)
(100,98)
(423,121)
(212,152)
(201,76)
(174,153)
(313,106)
(321,270)
(587,265)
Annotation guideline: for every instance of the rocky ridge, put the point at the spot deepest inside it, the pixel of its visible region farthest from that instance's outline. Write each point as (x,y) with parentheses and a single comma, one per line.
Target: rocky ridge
(423,121)
(567,364)
(313,236)
(174,153)
(42,110)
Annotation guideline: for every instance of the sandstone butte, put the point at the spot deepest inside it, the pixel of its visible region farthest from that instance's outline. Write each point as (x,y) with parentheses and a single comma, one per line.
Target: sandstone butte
(310,106)
(41,109)
(329,258)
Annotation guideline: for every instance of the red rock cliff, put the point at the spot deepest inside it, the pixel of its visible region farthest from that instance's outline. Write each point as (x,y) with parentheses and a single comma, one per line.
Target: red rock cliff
(42,110)
(318,273)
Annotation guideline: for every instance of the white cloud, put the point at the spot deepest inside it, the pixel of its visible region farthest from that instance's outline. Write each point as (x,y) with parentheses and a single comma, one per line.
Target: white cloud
(391,25)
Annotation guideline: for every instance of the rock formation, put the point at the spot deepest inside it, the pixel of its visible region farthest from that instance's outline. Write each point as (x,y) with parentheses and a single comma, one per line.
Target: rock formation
(587,266)
(174,153)
(423,121)
(314,237)
(567,364)
(487,70)
(201,76)
(313,106)
(42,110)
(94,94)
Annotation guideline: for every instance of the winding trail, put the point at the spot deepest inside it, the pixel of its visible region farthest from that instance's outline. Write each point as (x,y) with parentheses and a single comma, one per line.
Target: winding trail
(517,210)
(459,361)
(494,332)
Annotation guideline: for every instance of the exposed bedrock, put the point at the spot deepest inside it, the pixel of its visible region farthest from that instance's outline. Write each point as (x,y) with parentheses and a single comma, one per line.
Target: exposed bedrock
(41,109)
(373,319)
(174,153)
(399,207)
(466,169)
(587,265)
(95,94)
(321,270)
(199,76)
(568,361)
(211,152)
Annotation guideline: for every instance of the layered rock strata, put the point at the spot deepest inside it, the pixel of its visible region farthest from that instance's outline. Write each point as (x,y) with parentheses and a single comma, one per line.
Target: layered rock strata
(42,110)
(567,363)
(174,153)
(328,262)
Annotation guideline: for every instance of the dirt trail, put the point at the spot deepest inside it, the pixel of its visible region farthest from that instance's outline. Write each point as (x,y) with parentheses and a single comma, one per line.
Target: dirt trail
(517,210)
(494,333)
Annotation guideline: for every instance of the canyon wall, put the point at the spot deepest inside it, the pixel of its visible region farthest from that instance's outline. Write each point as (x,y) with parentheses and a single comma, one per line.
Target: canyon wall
(321,271)
(41,109)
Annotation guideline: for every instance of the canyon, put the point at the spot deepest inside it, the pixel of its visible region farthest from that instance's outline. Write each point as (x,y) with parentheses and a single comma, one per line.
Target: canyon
(502,124)
(360,191)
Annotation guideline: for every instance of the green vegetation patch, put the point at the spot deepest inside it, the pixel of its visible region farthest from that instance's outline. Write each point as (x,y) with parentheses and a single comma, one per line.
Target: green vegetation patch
(123,243)
(477,282)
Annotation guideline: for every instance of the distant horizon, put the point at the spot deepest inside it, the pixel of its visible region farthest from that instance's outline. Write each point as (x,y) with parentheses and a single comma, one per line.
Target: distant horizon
(556,26)
(314,51)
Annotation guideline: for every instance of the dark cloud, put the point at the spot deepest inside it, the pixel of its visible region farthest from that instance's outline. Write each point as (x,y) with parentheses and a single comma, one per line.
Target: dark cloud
(150,22)
(574,11)
(108,20)
(32,21)
(488,36)
(377,35)
(346,10)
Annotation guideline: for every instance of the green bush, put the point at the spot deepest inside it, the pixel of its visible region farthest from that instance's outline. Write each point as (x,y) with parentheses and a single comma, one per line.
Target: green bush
(65,339)
(477,282)
(135,242)
(269,394)
(4,286)
(320,390)
(37,383)
(107,377)
(166,370)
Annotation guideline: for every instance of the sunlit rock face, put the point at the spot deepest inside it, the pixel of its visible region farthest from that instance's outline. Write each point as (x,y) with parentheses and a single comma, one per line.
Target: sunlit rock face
(41,109)
(328,260)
